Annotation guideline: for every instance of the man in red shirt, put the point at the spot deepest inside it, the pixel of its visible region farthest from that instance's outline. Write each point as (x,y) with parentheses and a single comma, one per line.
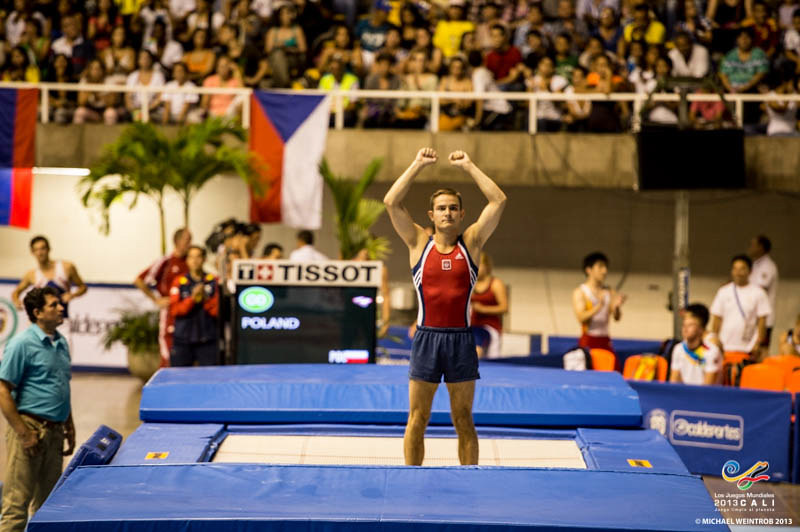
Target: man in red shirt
(155,282)
(505,60)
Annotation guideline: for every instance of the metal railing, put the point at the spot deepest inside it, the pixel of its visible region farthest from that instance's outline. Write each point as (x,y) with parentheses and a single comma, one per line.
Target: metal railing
(242,97)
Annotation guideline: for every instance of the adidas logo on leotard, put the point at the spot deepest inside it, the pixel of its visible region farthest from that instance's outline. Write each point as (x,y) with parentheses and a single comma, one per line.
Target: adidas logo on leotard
(459,256)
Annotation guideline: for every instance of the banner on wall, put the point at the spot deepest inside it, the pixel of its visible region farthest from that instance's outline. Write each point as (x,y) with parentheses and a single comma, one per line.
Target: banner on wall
(710,426)
(90,317)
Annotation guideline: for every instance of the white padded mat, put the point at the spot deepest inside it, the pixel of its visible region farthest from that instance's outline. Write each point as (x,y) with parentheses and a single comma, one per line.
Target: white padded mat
(354,450)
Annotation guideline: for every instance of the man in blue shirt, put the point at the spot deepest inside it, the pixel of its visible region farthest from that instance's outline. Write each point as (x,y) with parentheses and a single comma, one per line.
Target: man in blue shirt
(35,400)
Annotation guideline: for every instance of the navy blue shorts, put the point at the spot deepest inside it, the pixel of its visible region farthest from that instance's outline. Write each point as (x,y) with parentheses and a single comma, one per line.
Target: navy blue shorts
(447,352)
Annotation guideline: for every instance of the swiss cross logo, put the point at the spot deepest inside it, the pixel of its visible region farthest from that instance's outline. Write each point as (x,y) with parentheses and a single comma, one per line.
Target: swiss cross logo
(264,272)
(446,264)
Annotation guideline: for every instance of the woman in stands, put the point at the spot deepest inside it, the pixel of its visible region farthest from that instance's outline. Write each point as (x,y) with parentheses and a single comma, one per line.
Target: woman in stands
(456,114)
(790,340)
(102,24)
(19,67)
(286,47)
(489,302)
(95,106)
(119,58)
(342,45)
(413,112)
(200,60)
(62,103)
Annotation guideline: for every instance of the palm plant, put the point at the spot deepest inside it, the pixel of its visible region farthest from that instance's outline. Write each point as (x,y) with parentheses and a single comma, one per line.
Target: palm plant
(355,214)
(143,160)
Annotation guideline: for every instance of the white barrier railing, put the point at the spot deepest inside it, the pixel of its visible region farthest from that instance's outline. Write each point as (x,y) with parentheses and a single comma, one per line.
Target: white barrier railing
(242,96)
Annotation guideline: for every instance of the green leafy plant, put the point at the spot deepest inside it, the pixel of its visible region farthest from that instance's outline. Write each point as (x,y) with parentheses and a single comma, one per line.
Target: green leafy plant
(145,161)
(136,330)
(355,214)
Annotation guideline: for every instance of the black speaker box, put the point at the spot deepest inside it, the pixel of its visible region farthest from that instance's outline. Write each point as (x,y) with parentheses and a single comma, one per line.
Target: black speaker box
(673,159)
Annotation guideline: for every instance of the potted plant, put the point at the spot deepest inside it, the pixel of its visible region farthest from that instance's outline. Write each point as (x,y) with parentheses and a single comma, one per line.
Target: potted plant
(138,332)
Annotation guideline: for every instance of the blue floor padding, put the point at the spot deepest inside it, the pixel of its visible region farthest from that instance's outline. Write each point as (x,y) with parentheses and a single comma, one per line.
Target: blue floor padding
(610,450)
(295,393)
(231,497)
(172,443)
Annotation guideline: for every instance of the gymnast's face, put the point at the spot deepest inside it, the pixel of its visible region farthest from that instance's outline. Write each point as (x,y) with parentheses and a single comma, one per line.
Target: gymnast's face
(446,213)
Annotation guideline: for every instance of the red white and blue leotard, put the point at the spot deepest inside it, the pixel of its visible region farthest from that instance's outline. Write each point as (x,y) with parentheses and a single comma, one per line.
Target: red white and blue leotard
(444,283)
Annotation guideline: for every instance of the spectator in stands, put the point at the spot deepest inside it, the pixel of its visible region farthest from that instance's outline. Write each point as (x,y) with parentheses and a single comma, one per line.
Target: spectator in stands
(338,77)
(642,27)
(765,274)
(393,47)
(311,19)
(379,113)
(533,51)
(469,43)
(657,111)
(19,67)
(694,23)
(222,105)
(203,17)
(434,57)
(194,305)
(533,22)
(695,361)
(689,59)
(727,16)
(595,304)
(740,310)
(591,11)
(707,115)
(790,340)
(605,115)
(168,51)
(16,21)
(62,103)
(741,71)
(305,250)
(447,36)
(150,12)
(785,14)
(410,21)
(95,106)
(413,112)
(791,42)
(148,76)
(764,29)
(636,56)
(273,251)
(286,47)
(102,23)
(200,59)
(568,24)
(460,113)
(548,113)
(72,45)
(609,31)
(179,107)
(35,43)
(643,75)
(489,302)
(489,18)
(489,114)
(119,58)
(371,31)
(593,47)
(343,46)
(504,61)
(563,58)
(254,66)
(578,111)
(782,117)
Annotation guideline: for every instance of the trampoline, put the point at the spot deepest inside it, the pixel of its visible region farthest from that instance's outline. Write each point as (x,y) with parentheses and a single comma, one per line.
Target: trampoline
(300,447)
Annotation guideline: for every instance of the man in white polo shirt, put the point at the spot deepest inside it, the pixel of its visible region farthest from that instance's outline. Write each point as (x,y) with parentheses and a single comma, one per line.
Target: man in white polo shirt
(765,275)
(740,311)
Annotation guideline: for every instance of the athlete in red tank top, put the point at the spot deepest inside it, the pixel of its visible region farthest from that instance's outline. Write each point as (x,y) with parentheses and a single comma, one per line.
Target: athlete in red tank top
(444,275)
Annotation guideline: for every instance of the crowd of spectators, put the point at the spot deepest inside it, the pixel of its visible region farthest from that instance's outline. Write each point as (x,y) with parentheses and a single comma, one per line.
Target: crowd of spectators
(570,46)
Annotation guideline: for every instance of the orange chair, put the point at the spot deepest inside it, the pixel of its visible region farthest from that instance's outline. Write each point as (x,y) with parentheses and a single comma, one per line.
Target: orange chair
(729,366)
(788,363)
(793,382)
(603,359)
(762,377)
(734,357)
(632,364)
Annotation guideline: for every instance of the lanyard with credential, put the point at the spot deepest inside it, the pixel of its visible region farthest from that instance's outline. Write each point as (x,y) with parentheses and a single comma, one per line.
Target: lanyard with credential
(697,357)
(738,303)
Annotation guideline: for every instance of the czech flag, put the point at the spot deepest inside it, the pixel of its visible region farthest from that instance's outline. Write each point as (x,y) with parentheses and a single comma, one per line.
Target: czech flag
(17,153)
(288,131)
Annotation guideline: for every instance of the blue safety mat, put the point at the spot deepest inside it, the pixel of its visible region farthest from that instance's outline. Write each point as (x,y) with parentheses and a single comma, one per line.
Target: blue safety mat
(642,451)
(169,443)
(235,497)
(298,393)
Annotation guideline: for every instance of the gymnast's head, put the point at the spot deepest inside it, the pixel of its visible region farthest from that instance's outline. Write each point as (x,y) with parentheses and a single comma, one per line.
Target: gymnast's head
(446,210)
